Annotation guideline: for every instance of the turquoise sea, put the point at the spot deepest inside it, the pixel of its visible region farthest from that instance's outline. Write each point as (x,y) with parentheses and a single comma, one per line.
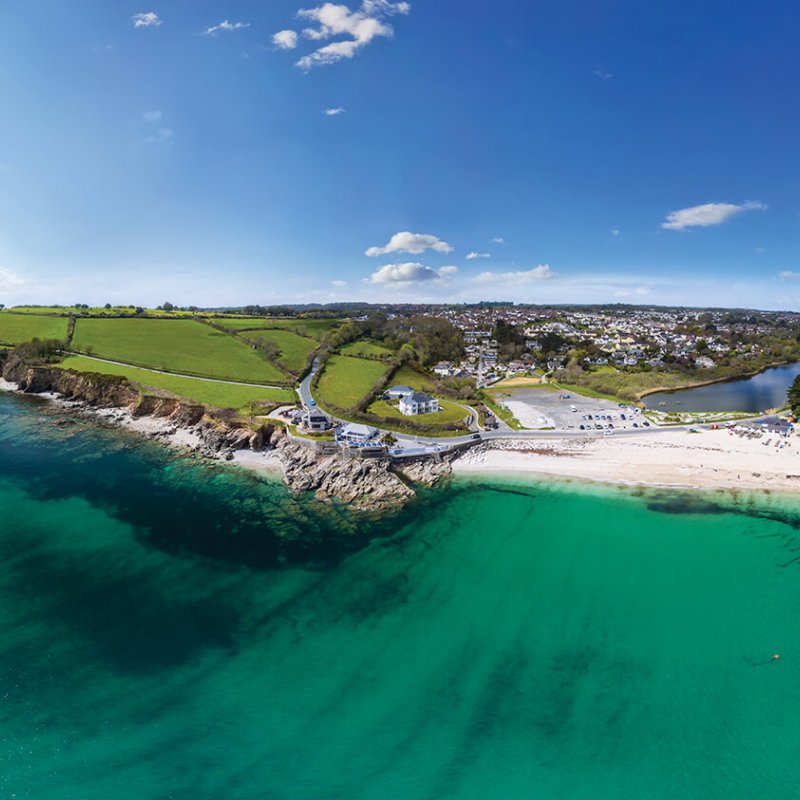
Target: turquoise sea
(171,630)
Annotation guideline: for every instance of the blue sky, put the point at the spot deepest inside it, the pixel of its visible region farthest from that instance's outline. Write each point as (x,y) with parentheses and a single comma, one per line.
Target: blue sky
(614,151)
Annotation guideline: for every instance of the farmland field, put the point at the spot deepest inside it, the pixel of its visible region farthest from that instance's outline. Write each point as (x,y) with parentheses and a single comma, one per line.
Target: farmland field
(346,380)
(366,350)
(294,349)
(315,328)
(182,346)
(218,395)
(17,328)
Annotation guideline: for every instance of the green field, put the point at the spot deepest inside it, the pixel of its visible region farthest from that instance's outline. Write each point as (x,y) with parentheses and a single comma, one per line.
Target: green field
(183,346)
(407,376)
(314,328)
(17,328)
(347,380)
(209,393)
(449,413)
(366,350)
(294,349)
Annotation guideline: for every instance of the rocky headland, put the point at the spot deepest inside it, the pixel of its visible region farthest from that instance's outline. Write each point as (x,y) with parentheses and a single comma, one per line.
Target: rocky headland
(365,483)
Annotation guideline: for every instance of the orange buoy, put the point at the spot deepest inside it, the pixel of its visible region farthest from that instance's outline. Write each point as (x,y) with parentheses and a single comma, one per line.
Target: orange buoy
(776,656)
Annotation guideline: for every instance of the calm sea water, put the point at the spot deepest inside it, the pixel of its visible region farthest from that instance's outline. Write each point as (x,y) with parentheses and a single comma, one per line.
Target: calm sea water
(762,392)
(171,631)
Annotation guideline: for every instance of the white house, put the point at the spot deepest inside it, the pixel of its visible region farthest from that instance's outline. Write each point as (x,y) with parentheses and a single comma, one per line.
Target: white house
(418,403)
(398,392)
(358,434)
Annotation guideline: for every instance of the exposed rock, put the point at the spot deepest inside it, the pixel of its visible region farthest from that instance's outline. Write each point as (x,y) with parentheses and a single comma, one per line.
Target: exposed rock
(426,471)
(365,483)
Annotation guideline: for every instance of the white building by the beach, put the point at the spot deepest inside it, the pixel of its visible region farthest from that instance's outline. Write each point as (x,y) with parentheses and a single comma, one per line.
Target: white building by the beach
(358,434)
(418,403)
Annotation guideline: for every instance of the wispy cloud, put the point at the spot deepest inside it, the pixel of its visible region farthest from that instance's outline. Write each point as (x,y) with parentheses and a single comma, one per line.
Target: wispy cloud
(334,112)
(542,272)
(356,29)
(603,74)
(788,275)
(146,19)
(339,284)
(225,26)
(9,280)
(403,274)
(615,231)
(473,255)
(708,214)
(449,270)
(498,240)
(152,116)
(414,243)
(165,135)
(285,40)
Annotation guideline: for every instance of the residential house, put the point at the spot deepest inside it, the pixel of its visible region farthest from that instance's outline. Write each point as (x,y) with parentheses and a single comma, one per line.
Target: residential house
(418,403)
(354,433)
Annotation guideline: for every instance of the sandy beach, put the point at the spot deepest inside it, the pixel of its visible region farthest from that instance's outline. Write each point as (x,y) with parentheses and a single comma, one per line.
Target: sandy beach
(709,459)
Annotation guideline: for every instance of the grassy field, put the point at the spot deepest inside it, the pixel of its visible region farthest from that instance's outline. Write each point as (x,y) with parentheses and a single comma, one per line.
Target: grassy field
(407,376)
(294,349)
(314,328)
(347,380)
(366,350)
(17,328)
(449,413)
(518,381)
(218,395)
(182,346)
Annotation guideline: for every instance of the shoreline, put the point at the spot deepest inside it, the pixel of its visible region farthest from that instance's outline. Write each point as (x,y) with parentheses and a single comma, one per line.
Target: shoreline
(183,440)
(712,459)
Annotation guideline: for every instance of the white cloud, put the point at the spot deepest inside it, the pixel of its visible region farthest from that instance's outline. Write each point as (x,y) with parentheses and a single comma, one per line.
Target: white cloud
(703,216)
(603,74)
(225,26)
(414,243)
(788,275)
(498,240)
(334,112)
(339,284)
(403,274)
(286,40)
(147,19)
(358,28)
(473,255)
(615,231)
(152,116)
(639,291)
(542,272)
(9,280)
(161,135)
(447,271)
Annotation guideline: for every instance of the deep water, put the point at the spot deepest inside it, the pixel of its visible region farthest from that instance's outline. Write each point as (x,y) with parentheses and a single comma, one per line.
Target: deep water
(172,630)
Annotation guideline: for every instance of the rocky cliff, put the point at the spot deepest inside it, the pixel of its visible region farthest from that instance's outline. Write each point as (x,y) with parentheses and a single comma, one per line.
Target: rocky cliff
(364,483)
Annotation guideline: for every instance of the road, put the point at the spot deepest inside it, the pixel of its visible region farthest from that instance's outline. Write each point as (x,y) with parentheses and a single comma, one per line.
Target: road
(416,442)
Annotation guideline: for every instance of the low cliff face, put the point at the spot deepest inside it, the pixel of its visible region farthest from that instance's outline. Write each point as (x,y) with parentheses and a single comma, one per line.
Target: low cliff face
(364,483)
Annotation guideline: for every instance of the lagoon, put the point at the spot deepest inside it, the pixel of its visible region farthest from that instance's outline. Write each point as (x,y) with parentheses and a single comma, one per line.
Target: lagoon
(170,630)
(756,394)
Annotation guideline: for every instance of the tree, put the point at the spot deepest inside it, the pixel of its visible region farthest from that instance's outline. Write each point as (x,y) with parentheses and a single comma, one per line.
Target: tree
(107,306)
(793,395)
(168,307)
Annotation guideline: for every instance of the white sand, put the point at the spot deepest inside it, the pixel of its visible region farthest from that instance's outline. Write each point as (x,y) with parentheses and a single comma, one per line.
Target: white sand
(712,459)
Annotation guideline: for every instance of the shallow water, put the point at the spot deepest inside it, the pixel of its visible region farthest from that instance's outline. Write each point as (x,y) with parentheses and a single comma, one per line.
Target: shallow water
(173,631)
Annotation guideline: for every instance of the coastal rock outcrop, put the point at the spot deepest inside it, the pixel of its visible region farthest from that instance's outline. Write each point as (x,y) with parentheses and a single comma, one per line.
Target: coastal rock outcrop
(364,483)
